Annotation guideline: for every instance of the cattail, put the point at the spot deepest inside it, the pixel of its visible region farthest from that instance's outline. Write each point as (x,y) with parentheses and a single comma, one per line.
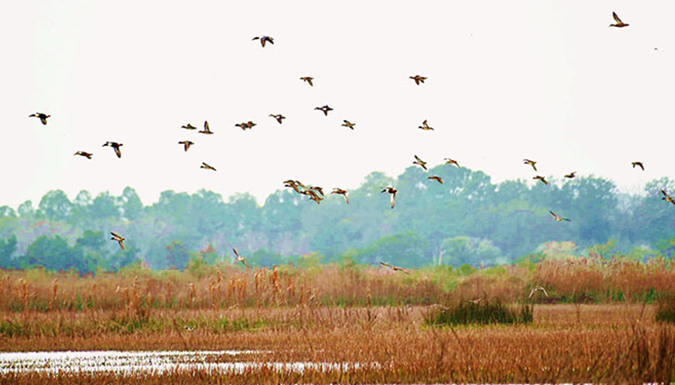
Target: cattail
(55,292)
(191,294)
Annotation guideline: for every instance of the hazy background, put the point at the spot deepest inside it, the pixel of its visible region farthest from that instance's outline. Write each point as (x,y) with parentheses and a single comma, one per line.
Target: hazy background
(545,80)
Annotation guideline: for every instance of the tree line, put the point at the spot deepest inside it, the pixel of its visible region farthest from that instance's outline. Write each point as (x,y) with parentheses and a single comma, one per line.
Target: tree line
(465,220)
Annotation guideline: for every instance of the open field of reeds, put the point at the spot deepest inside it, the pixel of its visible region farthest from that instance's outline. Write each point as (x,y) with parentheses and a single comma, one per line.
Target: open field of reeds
(598,323)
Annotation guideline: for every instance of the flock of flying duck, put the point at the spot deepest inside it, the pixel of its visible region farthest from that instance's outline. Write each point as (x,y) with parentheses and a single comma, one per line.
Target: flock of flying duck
(316,193)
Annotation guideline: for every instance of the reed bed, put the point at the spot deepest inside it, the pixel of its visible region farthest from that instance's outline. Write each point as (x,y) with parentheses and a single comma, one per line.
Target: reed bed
(598,324)
(613,343)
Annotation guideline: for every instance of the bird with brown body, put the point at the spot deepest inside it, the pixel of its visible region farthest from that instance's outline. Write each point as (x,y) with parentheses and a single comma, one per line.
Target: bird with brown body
(420,162)
(189,127)
(278,117)
(418,79)
(541,178)
(118,238)
(392,191)
(186,144)
(436,178)
(43,117)
(85,154)
(239,258)
(348,124)
(667,197)
(451,161)
(207,167)
(638,164)
(206,129)
(536,289)
(531,163)
(619,23)
(308,79)
(116,147)
(425,126)
(395,268)
(325,109)
(342,192)
(571,175)
(264,39)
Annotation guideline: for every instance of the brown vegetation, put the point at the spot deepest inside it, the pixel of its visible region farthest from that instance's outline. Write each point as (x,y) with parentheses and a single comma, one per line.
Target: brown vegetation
(599,327)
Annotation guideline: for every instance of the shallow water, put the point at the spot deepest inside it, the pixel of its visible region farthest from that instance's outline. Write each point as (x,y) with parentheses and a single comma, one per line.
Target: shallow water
(155,362)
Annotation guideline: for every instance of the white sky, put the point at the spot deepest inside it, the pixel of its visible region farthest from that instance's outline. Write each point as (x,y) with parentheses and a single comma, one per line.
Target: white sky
(507,80)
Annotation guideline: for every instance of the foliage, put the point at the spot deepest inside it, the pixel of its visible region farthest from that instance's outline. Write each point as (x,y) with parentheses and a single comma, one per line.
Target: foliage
(481,313)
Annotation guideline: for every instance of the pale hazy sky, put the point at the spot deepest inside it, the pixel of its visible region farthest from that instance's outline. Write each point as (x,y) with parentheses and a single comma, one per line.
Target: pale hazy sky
(507,80)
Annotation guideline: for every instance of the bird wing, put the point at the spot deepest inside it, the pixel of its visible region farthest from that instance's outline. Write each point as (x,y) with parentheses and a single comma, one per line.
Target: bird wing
(117,151)
(616,18)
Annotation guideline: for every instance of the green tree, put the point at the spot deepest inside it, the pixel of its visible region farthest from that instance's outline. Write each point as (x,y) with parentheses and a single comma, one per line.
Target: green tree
(55,205)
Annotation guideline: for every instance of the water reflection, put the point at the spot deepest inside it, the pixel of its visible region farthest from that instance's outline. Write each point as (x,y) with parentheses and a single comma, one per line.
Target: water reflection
(155,362)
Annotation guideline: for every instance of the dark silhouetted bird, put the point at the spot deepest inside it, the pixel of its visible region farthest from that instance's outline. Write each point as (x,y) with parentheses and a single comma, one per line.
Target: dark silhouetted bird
(264,39)
(392,191)
(41,116)
(325,109)
(308,79)
(278,117)
(418,79)
(85,154)
(116,146)
(638,164)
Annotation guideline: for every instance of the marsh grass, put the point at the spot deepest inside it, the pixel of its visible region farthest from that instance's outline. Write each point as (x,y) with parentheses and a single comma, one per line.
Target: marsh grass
(480,313)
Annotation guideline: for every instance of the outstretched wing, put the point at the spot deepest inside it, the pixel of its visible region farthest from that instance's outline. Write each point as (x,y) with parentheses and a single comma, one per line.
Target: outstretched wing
(616,18)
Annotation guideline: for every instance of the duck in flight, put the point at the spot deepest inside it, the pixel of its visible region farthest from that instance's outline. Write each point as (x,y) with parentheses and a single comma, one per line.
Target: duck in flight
(638,164)
(395,268)
(264,39)
(207,167)
(118,238)
(206,129)
(189,127)
(325,109)
(348,124)
(619,23)
(420,162)
(536,289)
(392,191)
(667,197)
(418,79)
(451,161)
(85,154)
(425,126)
(558,218)
(531,163)
(278,117)
(43,117)
(436,178)
(186,144)
(342,192)
(116,146)
(541,178)
(571,175)
(239,258)
(308,79)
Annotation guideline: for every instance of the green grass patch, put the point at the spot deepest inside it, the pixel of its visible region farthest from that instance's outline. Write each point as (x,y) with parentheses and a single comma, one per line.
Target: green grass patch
(481,313)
